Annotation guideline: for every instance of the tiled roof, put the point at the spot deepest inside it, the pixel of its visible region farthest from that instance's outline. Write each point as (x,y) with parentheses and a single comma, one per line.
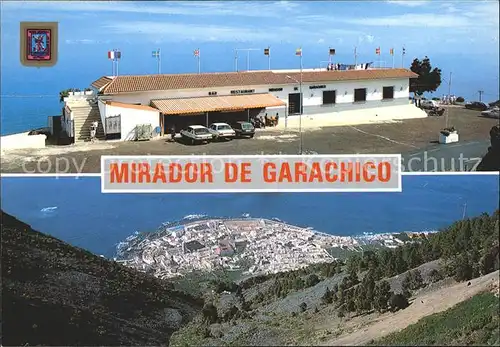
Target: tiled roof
(125,105)
(101,82)
(144,83)
(215,103)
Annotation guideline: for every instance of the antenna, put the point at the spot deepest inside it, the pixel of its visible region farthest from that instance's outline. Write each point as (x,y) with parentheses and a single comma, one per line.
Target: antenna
(464,210)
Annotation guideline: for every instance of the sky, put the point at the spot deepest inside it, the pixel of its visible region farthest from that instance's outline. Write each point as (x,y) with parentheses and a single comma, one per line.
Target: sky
(458,36)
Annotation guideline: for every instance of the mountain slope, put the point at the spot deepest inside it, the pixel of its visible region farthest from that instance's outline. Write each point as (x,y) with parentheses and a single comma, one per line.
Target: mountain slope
(56,294)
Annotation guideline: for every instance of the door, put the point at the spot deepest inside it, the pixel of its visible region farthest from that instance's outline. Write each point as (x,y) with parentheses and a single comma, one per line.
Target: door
(293,103)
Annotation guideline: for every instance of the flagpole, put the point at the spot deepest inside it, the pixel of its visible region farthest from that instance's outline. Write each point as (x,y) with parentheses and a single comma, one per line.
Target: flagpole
(159,61)
(236,60)
(301,103)
(393,59)
(112,65)
(199,61)
(355,56)
(117,61)
(403,58)
(269,58)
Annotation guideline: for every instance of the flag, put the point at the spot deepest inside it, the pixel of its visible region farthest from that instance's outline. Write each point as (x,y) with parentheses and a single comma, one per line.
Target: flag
(298,52)
(196,52)
(392,51)
(267,51)
(331,51)
(156,54)
(111,55)
(118,55)
(377,51)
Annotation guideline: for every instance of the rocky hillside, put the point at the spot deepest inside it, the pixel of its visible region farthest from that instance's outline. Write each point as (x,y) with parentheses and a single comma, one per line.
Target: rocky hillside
(491,161)
(56,294)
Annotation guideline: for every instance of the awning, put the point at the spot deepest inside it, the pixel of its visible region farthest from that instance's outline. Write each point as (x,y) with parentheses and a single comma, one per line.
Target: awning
(215,103)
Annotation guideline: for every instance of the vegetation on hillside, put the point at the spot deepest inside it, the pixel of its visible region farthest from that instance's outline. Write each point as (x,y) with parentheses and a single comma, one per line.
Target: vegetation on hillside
(472,322)
(57,294)
(469,248)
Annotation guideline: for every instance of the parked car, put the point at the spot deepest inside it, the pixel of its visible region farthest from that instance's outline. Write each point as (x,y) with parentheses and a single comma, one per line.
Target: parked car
(493,112)
(476,105)
(495,103)
(222,131)
(196,134)
(244,129)
(428,104)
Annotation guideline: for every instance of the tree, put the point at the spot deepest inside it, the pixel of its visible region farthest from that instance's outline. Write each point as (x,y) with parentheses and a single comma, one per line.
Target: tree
(327,298)
(413,280)
(303,306)
(312,280)
(428,80)
(341,313)
(382,295)
(398,302)
(435,275)
(463,270)
(210,313)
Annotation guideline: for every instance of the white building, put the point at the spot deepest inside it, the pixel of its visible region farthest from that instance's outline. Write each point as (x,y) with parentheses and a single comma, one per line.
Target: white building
(161,101)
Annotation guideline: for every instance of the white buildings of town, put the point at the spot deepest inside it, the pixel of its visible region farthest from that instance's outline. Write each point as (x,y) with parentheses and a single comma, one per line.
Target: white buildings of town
(122,105)
(265,246)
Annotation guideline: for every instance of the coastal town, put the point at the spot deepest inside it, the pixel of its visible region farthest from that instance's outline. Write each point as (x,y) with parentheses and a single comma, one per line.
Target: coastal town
(252,246)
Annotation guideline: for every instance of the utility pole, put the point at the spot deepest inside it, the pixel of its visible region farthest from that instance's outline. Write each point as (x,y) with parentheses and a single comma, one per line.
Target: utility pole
(481,92)
(449,97)
(449,86)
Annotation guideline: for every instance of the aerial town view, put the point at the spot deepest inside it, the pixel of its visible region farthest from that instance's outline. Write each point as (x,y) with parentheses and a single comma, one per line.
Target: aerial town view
(259,246)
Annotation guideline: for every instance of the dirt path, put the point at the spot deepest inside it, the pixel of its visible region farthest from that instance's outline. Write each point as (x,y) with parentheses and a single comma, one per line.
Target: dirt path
(424,305)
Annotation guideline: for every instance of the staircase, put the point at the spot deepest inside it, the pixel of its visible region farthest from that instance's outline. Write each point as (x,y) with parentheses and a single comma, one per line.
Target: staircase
(84,114)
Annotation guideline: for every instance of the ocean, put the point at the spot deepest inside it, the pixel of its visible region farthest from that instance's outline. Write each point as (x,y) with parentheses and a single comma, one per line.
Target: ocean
(75,210)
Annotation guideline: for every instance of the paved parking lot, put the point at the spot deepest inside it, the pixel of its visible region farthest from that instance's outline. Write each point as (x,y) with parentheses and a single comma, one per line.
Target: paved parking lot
(412,138)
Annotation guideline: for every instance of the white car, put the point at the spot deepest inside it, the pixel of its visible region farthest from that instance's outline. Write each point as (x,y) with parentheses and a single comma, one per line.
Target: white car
(197,134)
(222,131)
(429,103)
(493,112)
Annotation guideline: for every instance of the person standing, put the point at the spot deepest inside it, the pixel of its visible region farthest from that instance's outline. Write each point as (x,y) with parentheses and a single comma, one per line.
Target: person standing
(172,133)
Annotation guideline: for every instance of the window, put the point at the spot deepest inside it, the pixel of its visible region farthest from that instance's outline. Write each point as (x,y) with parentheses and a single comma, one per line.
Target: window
(360,95)
(200,131)
(212,93)
(329,97)
(388,93)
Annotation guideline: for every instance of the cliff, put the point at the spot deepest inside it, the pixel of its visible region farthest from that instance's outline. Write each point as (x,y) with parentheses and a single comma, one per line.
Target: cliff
(56,294)
(491,161)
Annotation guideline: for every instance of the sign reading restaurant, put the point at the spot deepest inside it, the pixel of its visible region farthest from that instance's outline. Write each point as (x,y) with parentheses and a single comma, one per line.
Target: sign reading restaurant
(244,91)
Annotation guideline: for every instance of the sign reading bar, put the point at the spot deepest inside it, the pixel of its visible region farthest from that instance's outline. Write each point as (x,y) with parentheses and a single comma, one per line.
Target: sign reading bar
(251,173)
